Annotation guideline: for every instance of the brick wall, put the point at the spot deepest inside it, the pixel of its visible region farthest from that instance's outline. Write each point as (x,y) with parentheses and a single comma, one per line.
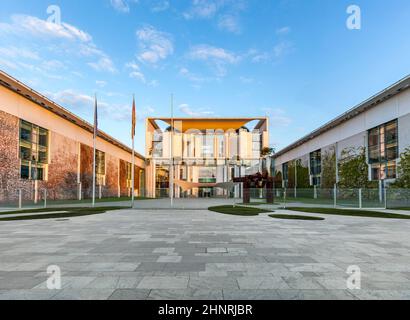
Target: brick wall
(62,170)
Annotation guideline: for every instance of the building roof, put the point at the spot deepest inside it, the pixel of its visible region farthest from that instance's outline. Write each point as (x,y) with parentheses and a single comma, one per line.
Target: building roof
(370,103)
(20,88)
(209,123)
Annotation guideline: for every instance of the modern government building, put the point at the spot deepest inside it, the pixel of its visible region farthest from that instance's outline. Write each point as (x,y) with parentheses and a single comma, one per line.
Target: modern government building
(380,126)
(43,146)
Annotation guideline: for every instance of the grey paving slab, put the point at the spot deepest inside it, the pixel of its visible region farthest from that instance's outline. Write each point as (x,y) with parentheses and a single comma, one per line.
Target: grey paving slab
(186,294)
(129,294)
(197,254)
(161,282)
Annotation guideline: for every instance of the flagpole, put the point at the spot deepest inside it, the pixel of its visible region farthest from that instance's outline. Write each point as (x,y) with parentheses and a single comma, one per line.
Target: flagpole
(133,156)
(171,174)
(94,148)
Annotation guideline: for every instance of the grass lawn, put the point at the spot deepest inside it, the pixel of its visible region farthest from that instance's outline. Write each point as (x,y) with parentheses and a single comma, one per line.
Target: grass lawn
(352,213)
(57,213)
(295,217)
(238,210)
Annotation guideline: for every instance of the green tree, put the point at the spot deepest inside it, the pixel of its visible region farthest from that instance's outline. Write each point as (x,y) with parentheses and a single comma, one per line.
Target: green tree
(302,175)
(267,152)
(403,180)
(353,169)
(329,169)
(278,179)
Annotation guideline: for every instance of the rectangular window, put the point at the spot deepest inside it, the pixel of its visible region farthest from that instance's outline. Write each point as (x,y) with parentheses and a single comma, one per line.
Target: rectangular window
(157,145)
(316,163)
(129,175)
(383,143)
(221,146)
(33,151)
(208,142)
(316,167)
(384,171)
(383,150)
(285,169)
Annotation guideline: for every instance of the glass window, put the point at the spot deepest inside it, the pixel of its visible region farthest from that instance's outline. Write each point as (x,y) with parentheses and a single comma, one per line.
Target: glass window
(316,163)
(383,143)
(157,144)
(208,145)
(33,150)
(25,171)
(384,171)
(285,169)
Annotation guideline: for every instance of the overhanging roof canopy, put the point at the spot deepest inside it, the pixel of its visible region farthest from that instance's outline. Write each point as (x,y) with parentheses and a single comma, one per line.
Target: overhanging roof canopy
(202,124)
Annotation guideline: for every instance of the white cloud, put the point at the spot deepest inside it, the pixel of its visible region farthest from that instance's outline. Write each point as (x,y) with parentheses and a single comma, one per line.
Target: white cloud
(186,109)
(101,83)
(29,25)
(206,53)
(72,100)
(104,64)
(278,117)
(246,80)
(283,31)
(282,49)
(217,58)
(229,23)
(14,52)
(279,51)
(160,5)
(154,45)
(122,6)
(63,39)
(136,73)
(203,9)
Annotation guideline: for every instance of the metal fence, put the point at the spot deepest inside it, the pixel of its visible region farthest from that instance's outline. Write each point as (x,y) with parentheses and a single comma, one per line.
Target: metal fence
(202,198)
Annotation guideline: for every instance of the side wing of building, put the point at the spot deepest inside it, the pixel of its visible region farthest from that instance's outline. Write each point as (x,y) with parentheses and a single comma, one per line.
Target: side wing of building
(379,127)
(41,148)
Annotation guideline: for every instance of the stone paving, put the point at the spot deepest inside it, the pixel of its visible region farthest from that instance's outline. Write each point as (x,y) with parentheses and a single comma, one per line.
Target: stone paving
(197,254)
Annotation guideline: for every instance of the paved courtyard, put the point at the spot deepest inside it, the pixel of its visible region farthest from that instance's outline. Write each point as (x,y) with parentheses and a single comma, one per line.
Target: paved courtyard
(197,254)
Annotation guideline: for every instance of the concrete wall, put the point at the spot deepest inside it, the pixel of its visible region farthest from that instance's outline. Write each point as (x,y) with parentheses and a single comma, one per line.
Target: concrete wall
(70,155)
(353,133)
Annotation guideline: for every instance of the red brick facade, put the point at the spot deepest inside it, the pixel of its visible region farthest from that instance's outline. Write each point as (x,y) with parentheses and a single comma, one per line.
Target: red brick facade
(70,162)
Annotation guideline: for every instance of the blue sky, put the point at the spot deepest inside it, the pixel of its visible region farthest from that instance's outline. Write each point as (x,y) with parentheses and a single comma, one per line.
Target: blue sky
(293,60)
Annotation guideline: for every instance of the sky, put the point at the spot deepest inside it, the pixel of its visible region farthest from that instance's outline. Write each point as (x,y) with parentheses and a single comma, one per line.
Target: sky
(295,61)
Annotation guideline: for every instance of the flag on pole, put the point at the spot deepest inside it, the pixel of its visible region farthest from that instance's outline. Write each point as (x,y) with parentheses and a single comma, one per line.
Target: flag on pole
(96,118)
(134,118)
(94,143)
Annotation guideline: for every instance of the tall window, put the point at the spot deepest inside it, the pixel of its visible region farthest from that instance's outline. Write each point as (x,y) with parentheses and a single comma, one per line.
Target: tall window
(100,167)
(33,151)
(383,150)
(256,144)
(221,145)
(129,175)
(157,145)
(316,167)
(208,144)
(285,170)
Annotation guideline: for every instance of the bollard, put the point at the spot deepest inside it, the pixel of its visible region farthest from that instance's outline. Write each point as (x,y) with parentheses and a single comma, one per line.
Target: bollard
(45,198)
(385,198)
(20,199)
(360,199)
